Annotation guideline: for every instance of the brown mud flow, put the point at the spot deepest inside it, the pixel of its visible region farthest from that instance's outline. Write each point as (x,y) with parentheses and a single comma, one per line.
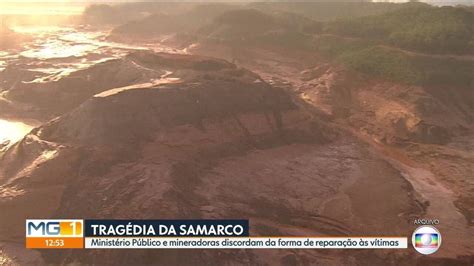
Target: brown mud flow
(297,144)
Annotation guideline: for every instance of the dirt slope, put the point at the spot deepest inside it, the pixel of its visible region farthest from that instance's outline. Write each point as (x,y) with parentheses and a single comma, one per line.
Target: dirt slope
(215,142)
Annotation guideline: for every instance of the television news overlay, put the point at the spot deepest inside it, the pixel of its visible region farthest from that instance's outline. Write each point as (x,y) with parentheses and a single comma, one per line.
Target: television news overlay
(183,234)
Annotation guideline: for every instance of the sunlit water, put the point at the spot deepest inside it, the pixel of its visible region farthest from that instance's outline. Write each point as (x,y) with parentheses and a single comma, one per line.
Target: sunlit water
(12,131)
(56,52)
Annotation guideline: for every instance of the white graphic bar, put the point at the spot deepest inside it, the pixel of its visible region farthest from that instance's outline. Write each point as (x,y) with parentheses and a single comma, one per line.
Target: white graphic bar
(246,242)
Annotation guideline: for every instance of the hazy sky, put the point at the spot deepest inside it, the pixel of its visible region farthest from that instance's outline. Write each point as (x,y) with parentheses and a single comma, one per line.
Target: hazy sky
(75,7)
(100,1)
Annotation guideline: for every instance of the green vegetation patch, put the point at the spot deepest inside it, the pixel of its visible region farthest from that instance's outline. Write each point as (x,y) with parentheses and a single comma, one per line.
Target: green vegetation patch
(369,58)
(418,27)
(382,63)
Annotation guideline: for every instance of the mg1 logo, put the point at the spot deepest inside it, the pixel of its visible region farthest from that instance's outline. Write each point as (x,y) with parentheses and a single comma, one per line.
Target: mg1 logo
(54,233)
(54,228)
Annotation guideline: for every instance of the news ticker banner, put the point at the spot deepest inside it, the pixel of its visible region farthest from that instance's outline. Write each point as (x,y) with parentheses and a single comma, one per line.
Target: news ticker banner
(181,234)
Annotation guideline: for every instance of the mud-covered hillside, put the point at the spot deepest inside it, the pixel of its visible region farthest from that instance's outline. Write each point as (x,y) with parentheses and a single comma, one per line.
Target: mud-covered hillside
(210,140)
(31,92)
(302,126)
(234,25)
(425,132)
(161,22)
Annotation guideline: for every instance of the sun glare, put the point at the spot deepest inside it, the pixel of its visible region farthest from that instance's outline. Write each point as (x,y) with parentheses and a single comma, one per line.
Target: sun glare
(41,8)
